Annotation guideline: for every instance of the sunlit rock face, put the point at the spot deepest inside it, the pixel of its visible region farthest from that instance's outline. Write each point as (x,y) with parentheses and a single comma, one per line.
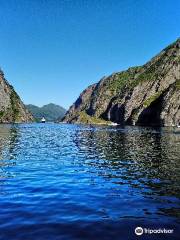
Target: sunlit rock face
(12,108)
(148,95)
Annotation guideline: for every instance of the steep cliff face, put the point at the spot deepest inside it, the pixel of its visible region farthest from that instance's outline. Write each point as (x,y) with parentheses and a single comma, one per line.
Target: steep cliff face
(11,107)
(147,95)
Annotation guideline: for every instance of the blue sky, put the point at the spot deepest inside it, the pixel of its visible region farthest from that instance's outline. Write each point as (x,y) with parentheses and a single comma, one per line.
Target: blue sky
(51,50)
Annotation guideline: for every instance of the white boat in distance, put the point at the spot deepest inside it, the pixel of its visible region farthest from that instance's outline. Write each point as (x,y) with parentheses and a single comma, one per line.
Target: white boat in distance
(43,120)
(113,124)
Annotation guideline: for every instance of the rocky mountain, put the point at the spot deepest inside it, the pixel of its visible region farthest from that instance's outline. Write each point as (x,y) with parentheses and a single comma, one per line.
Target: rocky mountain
(148,95)
(51,112)
(12,108)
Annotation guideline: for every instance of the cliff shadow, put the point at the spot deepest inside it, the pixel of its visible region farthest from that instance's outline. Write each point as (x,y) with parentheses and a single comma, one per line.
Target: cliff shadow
(151,116)
(115,114)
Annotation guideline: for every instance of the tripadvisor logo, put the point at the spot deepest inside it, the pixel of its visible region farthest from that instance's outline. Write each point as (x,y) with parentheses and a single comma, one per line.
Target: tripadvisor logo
(139,231)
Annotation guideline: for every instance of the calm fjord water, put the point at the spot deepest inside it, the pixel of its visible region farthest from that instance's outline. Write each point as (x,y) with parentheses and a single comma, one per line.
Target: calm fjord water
(61,181)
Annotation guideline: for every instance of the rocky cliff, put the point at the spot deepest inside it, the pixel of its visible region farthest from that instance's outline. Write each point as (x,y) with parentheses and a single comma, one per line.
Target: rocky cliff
(11,107)
(148,95)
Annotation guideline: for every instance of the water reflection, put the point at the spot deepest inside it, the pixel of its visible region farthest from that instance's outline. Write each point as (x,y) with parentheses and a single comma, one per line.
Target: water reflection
(8,142)
(146,159)
(87,178)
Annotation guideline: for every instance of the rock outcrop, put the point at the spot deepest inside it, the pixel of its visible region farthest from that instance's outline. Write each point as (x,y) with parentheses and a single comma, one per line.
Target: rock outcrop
(12,109)
(148,95)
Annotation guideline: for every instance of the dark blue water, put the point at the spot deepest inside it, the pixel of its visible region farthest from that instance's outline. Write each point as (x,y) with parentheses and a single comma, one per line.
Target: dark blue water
(61,181)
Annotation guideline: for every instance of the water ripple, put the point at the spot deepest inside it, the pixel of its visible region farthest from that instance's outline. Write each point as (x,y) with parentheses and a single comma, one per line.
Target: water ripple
(61,181)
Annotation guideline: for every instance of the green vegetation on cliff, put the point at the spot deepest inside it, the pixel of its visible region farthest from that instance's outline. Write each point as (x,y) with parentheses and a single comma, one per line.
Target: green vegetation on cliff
(85,118)
(123,79)
(14,98)
(151,99)
(178,84)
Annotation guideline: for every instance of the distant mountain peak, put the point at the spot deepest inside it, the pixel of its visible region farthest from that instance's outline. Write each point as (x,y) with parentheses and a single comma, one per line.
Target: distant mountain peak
(51,112)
